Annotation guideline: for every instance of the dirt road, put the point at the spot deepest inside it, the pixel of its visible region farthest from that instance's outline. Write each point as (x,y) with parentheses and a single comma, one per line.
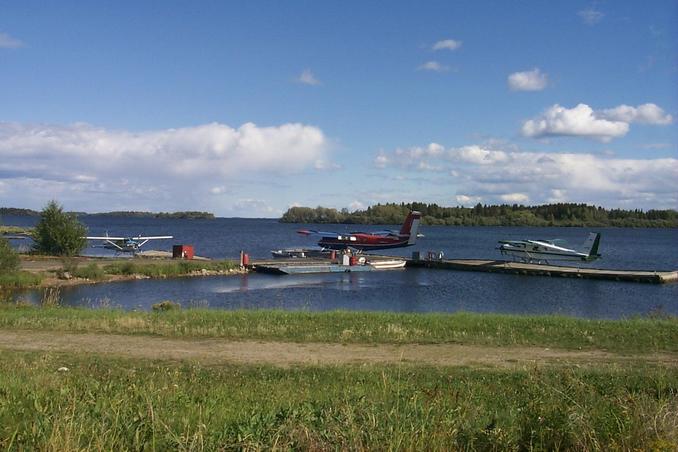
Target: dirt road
(221,351)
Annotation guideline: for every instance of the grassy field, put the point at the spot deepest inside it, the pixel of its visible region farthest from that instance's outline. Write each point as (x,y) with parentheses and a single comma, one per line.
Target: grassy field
(621,336)
(52,271)
(67,400)
(116,404)
(11,230)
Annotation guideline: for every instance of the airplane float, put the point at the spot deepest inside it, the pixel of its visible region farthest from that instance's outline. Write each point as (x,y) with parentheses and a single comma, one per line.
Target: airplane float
(549,250)
(381,240)
(126,244)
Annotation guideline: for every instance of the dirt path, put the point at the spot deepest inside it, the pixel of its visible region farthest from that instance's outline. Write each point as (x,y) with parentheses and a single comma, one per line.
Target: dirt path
(222,351)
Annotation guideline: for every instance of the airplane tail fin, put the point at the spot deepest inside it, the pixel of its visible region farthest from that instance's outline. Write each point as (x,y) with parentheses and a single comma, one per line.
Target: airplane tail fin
(590,247)
(411,227)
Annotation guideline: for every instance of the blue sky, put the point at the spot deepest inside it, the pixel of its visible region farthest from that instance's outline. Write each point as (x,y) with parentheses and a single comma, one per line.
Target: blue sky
(247,108)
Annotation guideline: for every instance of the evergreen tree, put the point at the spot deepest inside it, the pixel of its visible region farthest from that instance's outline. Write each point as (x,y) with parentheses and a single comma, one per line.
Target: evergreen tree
(59,233)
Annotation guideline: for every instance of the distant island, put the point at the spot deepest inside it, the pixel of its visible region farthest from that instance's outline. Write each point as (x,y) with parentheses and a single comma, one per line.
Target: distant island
(185,215)
(561,214)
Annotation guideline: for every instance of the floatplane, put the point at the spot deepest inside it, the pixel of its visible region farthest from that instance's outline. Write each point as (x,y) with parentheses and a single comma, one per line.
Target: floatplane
(538,251)
(362,241)
(126,244)
(355,243)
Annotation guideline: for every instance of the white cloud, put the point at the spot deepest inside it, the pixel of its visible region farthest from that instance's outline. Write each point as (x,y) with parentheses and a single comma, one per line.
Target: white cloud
(93,164)
(478,155)
(514,197)
(207,149)
(645,114)
(381,160)
(433,66)
(481,174)
(590,15)
(533,80)
(466,199)
(256,207)
(307,78)
(583,121)
(447,44)
(8,42)
(356,205)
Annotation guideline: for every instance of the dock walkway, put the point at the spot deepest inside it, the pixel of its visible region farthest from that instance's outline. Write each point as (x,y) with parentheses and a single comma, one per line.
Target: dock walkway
(519,268)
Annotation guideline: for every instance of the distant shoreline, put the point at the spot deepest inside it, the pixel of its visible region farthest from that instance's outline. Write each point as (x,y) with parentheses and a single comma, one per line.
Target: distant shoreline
(547,215)
(190,215)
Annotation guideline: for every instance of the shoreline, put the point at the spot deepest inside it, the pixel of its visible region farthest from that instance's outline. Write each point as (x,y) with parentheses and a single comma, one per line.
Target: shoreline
(48,267)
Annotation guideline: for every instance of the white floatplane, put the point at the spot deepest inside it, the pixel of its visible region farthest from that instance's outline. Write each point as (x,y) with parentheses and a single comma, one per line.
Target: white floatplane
(126,244)
(539,251)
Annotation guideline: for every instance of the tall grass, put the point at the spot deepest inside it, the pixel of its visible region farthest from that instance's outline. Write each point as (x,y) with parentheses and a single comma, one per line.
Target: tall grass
(632,335)
(19,280)
(167,269)
(127,404)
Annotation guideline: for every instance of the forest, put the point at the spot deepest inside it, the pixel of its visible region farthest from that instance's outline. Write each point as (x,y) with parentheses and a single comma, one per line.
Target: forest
(560,214)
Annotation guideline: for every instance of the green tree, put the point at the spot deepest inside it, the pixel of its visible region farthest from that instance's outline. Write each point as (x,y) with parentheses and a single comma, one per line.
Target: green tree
(59,233)
(9,259)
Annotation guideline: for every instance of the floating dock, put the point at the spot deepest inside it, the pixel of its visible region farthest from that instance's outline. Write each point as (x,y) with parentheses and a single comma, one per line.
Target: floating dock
(298,266)
(519,268)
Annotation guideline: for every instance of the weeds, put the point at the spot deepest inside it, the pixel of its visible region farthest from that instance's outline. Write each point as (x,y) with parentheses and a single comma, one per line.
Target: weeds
(19,280)
(51,297)
(116,404)
(631,335)
(91,271)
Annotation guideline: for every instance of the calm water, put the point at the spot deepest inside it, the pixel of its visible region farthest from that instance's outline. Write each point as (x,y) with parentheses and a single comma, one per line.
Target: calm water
(412,290)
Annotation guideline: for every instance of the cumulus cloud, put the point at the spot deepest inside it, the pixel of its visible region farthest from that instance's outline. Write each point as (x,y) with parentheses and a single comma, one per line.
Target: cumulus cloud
(645,114)
(447,44)
(533,80)
(8,42)
(590,16)
(514,197)
(583,121)
(69,160)
(433,66)
(482,174)
(356,205)
(308,78)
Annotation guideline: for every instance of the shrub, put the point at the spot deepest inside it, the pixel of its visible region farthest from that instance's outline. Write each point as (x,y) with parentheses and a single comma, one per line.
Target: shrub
(59,233)
(92,271)
(166,305)
(9,259)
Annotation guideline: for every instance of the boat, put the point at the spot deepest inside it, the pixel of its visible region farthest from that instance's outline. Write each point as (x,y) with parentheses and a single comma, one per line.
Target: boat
(387,264)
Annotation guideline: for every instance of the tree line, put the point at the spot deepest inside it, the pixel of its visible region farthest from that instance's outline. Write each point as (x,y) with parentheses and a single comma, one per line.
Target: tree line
(560,214)
(190,215)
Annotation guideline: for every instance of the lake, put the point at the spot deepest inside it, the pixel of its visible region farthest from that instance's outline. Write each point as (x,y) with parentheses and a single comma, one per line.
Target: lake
(411,290)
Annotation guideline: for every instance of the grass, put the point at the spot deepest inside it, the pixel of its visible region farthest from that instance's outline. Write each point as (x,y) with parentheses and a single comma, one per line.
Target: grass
(166,269)
(622,336)
(100,271)
(19,280)
(121,404)
(15,230)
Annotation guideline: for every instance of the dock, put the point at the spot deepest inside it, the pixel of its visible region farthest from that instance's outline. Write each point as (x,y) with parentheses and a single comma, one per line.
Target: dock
(520,268)
(297,266)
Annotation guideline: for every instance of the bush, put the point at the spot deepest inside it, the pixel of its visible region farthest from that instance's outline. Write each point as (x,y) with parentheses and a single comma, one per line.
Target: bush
(166,305)
(59,233)
(9,259)
(92,271)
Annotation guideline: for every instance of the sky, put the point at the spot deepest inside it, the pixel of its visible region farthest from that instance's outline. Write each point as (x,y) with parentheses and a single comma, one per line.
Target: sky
(248,108)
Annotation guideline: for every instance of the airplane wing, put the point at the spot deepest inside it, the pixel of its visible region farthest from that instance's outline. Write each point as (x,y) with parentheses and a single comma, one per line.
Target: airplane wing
(106,238)
(318,233)
(154,237)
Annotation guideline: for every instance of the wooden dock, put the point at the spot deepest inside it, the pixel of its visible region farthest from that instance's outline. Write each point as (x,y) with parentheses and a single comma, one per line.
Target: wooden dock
(519,268)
